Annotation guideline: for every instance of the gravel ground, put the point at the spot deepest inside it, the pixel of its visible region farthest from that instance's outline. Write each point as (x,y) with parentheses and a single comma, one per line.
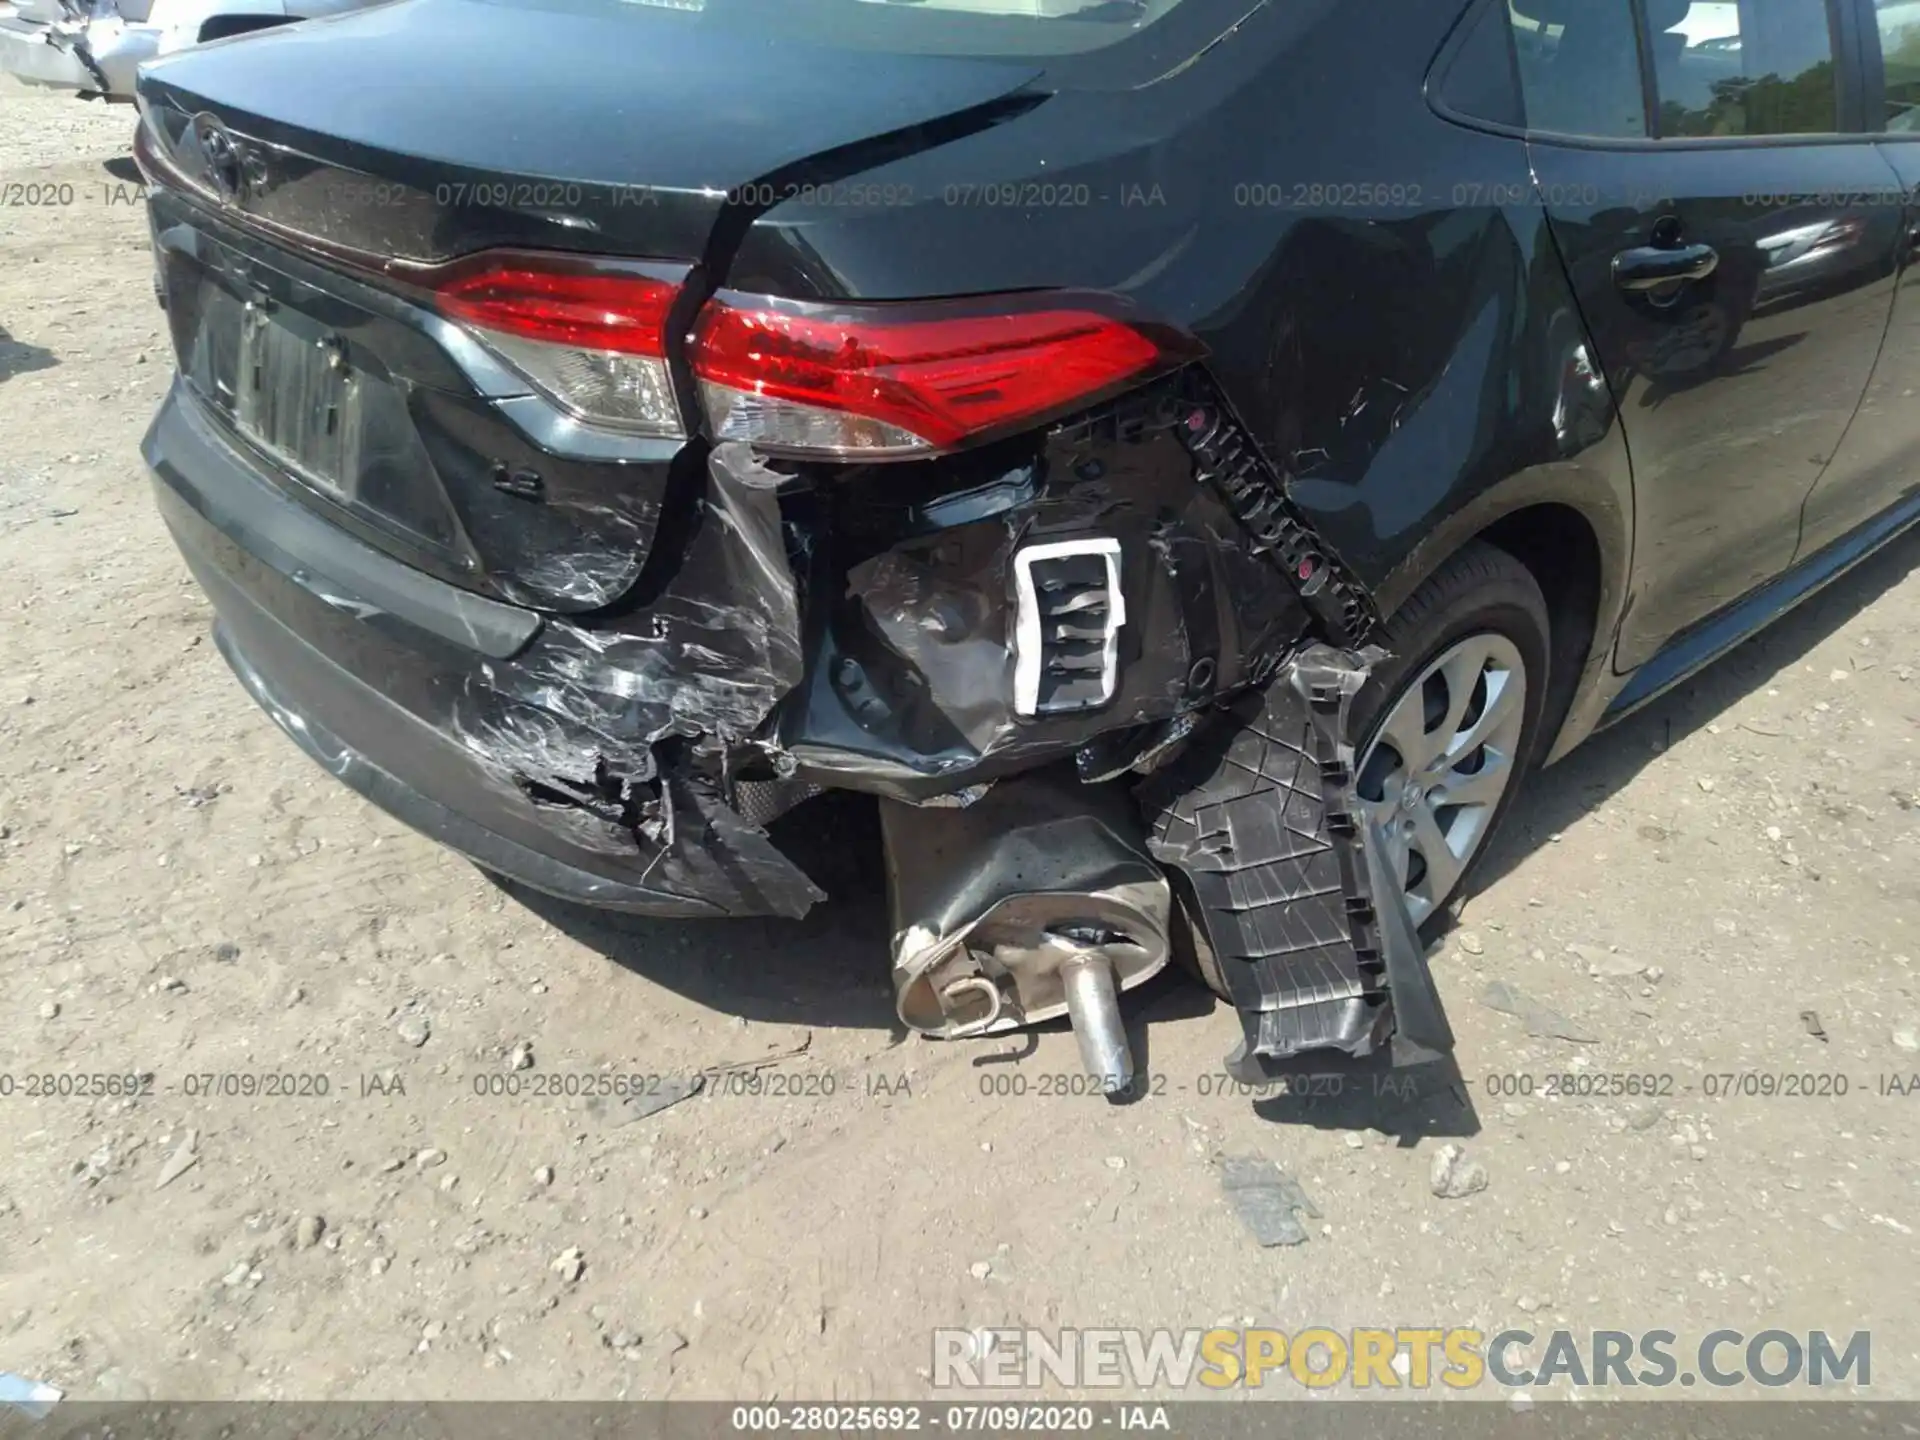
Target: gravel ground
(1726,884)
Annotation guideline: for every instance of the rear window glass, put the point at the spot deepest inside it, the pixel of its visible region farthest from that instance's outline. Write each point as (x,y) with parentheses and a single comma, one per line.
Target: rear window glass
(998,28)
(1762,68)
(1720,67)
(1580,67)
(1899,22)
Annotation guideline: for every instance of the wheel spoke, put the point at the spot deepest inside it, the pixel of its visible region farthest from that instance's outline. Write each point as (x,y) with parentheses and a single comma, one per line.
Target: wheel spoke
(1401,855)
(1382,814)
(1484,787)
(1413,794)
(1402,731)
(1443,866)
(1462,671)
(1503,705)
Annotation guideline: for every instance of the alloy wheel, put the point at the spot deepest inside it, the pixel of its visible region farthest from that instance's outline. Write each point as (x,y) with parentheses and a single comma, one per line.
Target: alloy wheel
(1434,774)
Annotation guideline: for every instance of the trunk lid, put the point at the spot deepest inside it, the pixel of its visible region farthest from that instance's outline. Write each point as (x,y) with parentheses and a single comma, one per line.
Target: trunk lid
(570,124)
(306,179)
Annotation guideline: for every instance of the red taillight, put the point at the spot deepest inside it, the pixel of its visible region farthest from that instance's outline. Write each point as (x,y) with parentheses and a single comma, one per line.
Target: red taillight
(855,381)
(591,334)
(593,311)
(861,381)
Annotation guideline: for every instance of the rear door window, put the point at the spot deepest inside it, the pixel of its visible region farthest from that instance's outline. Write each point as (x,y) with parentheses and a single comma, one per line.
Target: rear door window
(1580,67)
(1899,24)
(1719,68)
(1765,67)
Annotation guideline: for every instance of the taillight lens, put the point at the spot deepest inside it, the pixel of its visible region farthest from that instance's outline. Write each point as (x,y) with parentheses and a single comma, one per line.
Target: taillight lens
(591,334)
(868,381)
(878,381)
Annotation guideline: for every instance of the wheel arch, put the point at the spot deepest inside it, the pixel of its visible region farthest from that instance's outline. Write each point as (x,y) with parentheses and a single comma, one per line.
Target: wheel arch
(1572,530)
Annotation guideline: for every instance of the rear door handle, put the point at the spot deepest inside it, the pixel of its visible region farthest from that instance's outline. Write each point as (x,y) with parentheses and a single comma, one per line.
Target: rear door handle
(1650,267)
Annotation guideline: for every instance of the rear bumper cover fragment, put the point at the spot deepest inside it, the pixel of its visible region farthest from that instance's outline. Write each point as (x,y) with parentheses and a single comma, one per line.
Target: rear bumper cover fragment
(1258,816)
(567,759)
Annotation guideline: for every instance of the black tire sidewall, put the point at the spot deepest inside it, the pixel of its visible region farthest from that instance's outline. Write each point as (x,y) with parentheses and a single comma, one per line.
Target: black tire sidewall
(1511,607)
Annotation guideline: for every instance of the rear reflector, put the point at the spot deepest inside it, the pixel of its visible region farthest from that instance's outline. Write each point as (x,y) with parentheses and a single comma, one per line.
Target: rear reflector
(878,381)
(591,334)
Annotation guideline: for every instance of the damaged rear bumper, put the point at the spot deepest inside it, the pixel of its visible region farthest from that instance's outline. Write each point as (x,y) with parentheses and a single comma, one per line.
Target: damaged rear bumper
(619,761)
(461,715)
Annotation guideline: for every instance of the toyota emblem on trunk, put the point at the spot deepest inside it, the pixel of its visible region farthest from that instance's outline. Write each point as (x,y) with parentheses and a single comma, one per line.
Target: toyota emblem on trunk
(220,155)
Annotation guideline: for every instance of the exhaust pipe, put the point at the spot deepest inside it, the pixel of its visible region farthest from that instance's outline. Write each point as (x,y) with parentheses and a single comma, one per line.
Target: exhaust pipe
(1037,900)
(1093,1002)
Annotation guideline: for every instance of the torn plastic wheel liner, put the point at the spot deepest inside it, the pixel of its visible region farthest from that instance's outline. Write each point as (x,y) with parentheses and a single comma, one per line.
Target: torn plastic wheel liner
(1293,912)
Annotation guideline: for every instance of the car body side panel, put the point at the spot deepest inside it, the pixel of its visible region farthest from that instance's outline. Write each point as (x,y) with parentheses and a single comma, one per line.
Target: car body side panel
(1878,465)
(1354,260)
(1384,308)
(1736,390)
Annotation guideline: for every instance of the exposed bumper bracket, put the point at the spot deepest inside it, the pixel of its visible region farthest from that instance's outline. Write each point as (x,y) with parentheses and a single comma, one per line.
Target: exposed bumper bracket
(1301,926)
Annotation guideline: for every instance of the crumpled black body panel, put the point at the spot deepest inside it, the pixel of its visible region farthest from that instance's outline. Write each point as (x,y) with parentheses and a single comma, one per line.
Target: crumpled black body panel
(587,761)
(854,628)
(911,626)
(580,720)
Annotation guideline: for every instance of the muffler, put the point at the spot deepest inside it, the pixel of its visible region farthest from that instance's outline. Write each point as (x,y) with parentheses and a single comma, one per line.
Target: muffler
(1037,900)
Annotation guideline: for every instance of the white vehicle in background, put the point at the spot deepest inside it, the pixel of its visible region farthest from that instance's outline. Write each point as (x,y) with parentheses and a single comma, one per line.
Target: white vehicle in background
(93,47)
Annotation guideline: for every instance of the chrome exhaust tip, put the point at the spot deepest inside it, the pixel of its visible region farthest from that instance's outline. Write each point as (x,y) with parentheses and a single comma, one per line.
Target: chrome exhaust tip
(1094,1005)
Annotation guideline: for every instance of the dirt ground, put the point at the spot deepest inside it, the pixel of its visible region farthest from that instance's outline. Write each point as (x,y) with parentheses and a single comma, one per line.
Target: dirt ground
(183,894)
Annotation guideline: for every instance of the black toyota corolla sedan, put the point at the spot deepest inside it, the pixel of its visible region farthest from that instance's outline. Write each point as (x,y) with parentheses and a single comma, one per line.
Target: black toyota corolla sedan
(1186,458)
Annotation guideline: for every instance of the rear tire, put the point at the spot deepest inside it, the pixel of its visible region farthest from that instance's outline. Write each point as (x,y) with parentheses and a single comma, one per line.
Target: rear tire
(1482,604)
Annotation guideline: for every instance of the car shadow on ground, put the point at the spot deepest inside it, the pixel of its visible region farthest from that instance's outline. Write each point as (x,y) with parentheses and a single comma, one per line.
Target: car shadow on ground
(19,358)
(1593,774)
(828,969)
(831,968)
(122,167)
(1409,1104)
